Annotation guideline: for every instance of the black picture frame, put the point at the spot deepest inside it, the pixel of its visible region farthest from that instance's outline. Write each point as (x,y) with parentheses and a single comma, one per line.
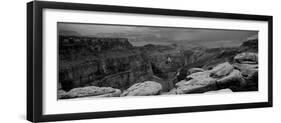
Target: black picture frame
(34,60)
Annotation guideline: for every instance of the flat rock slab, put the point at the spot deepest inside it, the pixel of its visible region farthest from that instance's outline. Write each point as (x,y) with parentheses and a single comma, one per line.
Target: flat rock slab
(221,76)
(196,83)
(195,70)
(92,91)
(221,70)
(143,89)
(247,58)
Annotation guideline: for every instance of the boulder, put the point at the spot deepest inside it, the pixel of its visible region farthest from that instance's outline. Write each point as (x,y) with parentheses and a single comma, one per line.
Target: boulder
(195,70)
(194,77)
(221,91)
(234,78)
(182,83)
(92,91)
(247,70)
(204,74)
(197,83)
(221,70)
(222,76)
(247,58)
(61,94)
(250,74)
(197,86)
(143,89)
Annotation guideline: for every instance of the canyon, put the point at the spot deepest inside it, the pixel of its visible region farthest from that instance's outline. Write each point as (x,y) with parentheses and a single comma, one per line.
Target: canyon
(116,65)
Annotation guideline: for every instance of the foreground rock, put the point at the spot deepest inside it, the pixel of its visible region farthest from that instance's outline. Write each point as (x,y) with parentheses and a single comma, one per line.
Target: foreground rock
(247,58)
(195,70)
(234,78)
(247,63)
(91,91)
(221,91)
(143,89)
(221,70)
(248,70)
(220,77)
(197,83)
(250,74)
(61,94)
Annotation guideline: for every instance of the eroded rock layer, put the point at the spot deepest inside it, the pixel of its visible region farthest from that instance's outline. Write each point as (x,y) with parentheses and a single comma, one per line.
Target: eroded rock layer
(116,66)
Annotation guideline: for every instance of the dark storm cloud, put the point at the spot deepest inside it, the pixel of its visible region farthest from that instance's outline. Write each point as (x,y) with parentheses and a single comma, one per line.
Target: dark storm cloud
(144,35)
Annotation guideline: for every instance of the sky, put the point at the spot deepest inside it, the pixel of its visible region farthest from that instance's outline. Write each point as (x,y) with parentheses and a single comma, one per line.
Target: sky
(142,35)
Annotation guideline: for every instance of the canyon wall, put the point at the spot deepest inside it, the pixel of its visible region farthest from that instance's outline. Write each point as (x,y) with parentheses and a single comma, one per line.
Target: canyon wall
(114,62)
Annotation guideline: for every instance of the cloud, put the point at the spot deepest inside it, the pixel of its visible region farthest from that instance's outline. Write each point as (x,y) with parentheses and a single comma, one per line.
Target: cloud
(161,34)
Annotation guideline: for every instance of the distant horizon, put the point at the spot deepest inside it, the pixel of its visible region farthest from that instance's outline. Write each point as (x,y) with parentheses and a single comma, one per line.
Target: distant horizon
(142,35)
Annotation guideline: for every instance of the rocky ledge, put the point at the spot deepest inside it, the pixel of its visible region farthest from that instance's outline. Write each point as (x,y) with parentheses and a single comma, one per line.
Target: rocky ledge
(139,89)
(239,76)
(143,89)
(90,91)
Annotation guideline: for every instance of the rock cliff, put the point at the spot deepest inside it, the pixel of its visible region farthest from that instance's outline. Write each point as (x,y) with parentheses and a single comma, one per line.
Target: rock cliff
(116,63)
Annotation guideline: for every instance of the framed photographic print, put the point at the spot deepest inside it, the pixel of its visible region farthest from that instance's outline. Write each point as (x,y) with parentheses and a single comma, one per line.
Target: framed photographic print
(88,61)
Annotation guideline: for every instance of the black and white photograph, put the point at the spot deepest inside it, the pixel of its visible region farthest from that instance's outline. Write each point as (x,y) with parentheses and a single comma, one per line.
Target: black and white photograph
(108,60)
(91,61)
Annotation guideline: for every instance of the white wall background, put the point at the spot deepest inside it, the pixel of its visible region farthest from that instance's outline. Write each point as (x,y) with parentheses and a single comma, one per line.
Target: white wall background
(13,61)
